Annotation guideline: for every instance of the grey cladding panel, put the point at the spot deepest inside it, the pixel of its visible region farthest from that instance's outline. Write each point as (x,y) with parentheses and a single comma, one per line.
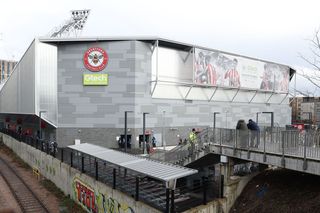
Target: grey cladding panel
(94,102)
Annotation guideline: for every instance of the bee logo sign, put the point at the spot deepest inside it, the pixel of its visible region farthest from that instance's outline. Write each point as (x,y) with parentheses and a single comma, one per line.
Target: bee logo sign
(95,59)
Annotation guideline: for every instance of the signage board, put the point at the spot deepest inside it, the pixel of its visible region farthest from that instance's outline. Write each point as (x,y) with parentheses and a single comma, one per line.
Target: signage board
(95,59)
(220,69)
(95,79)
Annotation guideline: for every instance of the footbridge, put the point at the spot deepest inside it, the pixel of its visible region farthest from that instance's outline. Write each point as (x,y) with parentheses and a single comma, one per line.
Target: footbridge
(290,149)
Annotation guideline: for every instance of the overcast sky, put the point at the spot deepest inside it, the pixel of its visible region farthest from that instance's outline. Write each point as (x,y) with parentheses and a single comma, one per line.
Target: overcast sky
(273,30)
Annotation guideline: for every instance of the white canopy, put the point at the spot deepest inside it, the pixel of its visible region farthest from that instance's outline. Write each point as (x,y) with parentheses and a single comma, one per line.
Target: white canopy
(166,172)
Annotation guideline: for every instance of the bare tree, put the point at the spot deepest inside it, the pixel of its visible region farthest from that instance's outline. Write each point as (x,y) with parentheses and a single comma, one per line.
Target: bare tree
(313,61)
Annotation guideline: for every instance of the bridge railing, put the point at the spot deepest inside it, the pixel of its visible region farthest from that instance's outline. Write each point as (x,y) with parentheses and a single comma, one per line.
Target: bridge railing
(275,141)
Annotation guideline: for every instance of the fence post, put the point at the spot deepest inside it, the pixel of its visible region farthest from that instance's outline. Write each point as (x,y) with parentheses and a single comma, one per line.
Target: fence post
(114,178)
(248,143)
(47,147)
(137,189)
(82,163)
(282,144)
(96,165)
(221,186)
(71,158)
(305,152)
(167,199)
(172,201)
(235,142)
(264,147)
(61,154)
(220,141)
(204,187)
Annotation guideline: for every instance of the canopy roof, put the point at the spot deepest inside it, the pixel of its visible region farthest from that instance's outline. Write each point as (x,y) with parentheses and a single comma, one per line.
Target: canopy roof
(159,170)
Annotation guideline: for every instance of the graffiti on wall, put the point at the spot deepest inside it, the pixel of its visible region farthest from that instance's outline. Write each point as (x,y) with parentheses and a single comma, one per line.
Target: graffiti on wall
(48,168)
(97,202)
(108,204)
(85,195)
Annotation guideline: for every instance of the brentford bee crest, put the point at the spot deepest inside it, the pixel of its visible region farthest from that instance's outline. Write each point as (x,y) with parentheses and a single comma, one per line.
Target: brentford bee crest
(95,59)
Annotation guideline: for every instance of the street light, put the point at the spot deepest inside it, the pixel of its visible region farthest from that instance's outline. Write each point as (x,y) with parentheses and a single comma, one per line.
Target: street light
(144,131)
(214,125)
(125,130)
(227,119)
(163,132)
(40,133)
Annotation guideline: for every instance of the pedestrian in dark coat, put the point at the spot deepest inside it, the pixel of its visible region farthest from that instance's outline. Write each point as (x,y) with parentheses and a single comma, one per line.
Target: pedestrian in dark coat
(243,133)
(255,133)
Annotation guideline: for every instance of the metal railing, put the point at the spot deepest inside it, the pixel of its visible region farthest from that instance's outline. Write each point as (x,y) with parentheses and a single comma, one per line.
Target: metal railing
(184,150)
(189,192)
(303,144)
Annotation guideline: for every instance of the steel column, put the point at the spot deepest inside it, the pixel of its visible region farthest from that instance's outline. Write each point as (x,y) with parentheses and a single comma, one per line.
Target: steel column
(305,152)
(137,189)
(96,167)
(172,210)
(82,163)
(114,178)
(204,188)
(167,200)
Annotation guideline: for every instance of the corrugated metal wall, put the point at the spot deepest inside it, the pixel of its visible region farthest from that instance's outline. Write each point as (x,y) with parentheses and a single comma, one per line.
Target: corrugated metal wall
(17,95)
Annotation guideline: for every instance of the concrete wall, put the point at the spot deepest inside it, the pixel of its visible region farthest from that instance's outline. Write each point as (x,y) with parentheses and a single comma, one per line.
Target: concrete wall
(74,183)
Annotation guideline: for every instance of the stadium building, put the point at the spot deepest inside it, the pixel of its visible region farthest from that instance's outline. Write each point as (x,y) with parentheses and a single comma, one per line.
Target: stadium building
(81,89)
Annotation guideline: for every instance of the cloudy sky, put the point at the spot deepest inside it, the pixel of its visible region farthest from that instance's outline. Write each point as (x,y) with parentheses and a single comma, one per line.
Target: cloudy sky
(267,29)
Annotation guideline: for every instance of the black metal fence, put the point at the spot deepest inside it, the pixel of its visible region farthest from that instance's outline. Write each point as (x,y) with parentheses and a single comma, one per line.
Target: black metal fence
(189,192)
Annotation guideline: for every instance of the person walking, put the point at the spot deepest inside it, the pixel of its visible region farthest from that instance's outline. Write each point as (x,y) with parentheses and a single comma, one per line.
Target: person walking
(192,141)
(255,133)
(242,131)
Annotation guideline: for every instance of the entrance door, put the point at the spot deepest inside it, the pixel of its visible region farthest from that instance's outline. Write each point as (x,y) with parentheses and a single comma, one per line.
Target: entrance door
(122,141)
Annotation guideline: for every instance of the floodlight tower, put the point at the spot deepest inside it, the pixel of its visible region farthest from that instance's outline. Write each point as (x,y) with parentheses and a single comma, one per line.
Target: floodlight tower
(73,26)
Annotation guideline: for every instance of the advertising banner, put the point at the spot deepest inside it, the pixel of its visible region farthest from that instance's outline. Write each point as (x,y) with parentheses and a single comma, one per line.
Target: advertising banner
(219,69)
(95,79)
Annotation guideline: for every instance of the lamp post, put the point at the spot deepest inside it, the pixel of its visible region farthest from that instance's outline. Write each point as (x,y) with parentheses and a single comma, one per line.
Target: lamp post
(125,130)
(40,133)
(214,125)
(144,131)
(227,119)
(163,131)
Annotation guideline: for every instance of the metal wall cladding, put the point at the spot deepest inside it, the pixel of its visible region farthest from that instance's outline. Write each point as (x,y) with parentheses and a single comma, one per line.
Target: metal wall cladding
(46,82)
(18,94)
(174,65)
